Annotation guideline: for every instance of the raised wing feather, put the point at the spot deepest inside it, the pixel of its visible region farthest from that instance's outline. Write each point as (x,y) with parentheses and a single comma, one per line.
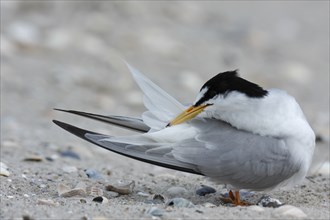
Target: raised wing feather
(161,106)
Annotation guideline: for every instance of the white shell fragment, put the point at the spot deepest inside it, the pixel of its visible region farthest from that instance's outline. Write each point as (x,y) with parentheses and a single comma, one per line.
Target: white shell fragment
(4,170)
(47,202)
(101,199)
(267,201)
(123,190)
(290,211)
(209,205)
(65,191)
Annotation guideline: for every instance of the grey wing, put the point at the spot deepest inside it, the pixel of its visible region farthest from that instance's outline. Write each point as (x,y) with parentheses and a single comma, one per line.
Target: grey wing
(153,153)
(241,159)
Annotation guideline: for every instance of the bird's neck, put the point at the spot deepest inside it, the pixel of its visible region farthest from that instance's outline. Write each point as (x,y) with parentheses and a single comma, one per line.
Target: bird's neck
(277,114)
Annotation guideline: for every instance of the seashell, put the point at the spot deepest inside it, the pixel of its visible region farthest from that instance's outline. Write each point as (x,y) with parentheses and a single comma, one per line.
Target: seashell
(180,203)
(267,201)
(205,190)
(93,174)
(33,158)
(4,170)
(123,190)
(65,191)
(157,198)
(290,211)
(47,202)
(100,199)
(154,211)
(94,191)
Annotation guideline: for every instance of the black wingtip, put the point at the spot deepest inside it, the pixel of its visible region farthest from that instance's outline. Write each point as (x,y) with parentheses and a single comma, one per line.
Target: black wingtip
(72,129)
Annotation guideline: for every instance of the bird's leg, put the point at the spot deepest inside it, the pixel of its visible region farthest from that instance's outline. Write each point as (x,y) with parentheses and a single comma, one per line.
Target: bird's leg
(235,199)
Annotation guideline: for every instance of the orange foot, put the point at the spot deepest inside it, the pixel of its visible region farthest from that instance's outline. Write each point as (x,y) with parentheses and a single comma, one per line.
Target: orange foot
(235,199)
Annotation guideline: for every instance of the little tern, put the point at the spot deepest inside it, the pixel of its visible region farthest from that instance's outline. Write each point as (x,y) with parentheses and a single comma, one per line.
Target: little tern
(235,133)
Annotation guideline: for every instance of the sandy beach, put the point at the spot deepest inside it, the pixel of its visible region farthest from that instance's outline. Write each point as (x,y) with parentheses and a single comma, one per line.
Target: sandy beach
(57,54)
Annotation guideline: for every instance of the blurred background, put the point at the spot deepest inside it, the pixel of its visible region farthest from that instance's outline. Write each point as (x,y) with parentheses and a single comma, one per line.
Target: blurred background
(68,54)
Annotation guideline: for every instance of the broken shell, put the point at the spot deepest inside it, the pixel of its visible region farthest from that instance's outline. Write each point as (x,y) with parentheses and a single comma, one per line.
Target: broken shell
(101,199)
(4,170)
(94,191)
(205,190)
(123,190)
(47,202)
(157,198)
(267,201)
(65,191)
(180,203)
(33,158)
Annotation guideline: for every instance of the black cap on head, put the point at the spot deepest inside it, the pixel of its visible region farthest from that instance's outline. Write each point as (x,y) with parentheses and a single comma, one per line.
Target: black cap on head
(225,82)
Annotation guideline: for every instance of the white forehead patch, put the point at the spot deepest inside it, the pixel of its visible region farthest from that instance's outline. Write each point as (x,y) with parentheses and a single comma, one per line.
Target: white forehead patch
(201,94)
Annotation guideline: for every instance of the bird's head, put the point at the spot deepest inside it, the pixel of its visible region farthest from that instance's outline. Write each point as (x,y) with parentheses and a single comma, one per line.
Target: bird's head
(220,92)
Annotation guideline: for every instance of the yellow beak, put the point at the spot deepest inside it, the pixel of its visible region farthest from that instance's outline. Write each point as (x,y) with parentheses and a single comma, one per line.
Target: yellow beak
(188,114)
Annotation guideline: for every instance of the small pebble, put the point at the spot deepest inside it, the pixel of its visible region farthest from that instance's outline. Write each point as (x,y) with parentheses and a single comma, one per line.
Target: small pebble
(83,201)
(69,169)
(180,203)
(291,211)
(154,211)
(100,199)
(205,190)
(4,170)
(52,157)
(267,201)
(176,191)
(71,154)
(93,174)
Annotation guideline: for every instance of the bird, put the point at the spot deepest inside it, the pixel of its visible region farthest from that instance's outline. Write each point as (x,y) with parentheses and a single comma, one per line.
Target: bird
(234,133)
